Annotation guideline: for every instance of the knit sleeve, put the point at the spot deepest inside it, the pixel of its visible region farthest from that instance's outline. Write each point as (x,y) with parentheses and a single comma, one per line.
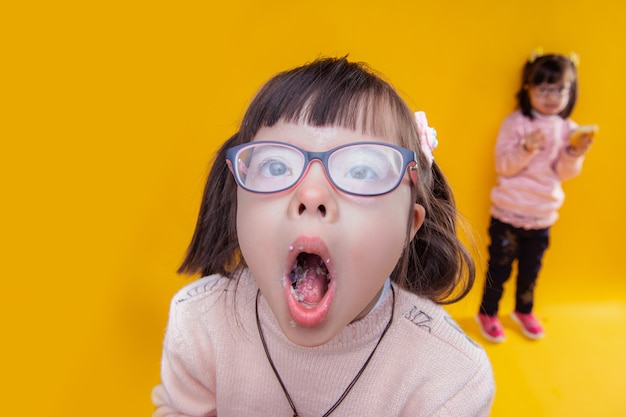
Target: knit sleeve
(187,366)
(510,155)
(568,166)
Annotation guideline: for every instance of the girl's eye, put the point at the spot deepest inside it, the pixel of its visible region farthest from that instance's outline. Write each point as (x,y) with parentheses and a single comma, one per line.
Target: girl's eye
(274,168)
(365,170)
(362,172)
(360,166)
(273,162)
(269,171)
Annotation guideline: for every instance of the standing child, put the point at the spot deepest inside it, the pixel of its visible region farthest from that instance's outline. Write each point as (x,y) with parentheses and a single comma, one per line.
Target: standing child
(326,238)
(537,148)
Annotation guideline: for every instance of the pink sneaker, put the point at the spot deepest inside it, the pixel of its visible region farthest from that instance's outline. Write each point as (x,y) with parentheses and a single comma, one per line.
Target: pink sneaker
(529,324)
(490,327)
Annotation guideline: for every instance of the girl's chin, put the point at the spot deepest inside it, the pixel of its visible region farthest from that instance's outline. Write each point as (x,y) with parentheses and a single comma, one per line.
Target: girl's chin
(311,336)
(307,315)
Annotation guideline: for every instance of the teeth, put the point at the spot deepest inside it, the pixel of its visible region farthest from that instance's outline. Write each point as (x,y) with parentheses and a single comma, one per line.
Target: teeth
(297,296)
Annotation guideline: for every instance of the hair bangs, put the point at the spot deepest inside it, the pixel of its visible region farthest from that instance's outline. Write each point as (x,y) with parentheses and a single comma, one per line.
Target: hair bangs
(551,69)
(549,73)
(341,95)
(370,112)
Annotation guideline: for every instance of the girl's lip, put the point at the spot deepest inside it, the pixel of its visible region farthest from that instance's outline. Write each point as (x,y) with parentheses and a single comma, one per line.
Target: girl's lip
(308,316)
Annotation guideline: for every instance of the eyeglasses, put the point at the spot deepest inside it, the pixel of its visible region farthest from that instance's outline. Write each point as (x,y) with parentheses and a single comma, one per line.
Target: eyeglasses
(544,90)
(361,168)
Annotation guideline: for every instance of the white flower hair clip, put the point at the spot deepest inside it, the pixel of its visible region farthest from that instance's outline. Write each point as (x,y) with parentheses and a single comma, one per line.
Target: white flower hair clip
(427,136)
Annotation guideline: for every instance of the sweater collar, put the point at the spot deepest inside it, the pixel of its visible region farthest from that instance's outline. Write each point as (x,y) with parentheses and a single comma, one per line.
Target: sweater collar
(362,332)
(538,115)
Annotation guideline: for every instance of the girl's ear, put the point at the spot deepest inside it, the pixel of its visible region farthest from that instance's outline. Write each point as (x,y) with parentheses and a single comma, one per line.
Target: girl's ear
(419,213)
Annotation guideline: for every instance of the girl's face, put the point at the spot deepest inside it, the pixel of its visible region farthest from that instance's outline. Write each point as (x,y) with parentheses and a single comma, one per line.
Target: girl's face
(549,99)
(340,247)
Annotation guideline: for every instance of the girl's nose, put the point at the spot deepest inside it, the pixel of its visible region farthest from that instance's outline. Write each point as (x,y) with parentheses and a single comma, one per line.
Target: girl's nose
(314,195)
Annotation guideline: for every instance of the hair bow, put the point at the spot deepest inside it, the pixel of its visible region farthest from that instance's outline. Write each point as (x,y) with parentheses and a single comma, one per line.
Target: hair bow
(536,53)
(573,56)
(427,136)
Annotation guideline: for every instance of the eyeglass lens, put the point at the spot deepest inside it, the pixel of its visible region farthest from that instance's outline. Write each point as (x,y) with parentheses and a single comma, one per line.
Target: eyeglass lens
(544,90)
(362,169)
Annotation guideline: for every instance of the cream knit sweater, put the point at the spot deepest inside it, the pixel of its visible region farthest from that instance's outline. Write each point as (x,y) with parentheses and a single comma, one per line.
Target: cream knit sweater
(214,363)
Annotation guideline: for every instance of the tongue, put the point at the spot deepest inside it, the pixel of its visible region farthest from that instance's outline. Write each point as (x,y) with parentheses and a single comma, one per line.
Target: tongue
(311,284)
(312,288)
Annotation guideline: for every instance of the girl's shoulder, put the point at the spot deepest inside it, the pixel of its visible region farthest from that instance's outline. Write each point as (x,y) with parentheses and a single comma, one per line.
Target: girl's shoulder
(430,323)
(515,122)
(433,348)
(202,288)
(516,117)
(570,123)
(210,304)
(213,288)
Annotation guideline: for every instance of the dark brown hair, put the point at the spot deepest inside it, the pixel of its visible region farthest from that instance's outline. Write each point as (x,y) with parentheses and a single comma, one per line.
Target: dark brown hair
(336,92)
(549,69)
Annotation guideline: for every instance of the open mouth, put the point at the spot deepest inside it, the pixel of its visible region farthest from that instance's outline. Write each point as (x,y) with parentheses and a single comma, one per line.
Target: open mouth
(309,279)
(309,288)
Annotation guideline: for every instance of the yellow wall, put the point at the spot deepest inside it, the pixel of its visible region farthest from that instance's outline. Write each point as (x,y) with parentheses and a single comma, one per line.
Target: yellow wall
(111,111)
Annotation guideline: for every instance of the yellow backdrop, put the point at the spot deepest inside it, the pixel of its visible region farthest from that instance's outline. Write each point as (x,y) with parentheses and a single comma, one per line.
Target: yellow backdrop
(111,112)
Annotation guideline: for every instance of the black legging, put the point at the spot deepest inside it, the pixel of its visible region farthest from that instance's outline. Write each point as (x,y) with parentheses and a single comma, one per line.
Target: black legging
(509,243)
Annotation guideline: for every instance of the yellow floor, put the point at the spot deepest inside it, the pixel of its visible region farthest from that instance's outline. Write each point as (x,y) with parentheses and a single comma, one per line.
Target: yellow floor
(578,369)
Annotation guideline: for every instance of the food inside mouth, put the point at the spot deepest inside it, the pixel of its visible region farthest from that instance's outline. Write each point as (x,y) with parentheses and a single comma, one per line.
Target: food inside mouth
(309,279)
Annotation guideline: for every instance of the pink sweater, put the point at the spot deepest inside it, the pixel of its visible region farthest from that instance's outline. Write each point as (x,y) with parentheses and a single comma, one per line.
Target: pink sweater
(214,363)
(528,191)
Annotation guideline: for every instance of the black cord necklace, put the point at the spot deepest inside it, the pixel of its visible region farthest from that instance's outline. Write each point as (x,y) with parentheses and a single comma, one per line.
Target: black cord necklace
(356,378)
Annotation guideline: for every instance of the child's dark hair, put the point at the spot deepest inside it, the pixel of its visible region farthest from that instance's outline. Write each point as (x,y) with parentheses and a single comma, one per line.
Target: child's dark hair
(335,92)
(550,69)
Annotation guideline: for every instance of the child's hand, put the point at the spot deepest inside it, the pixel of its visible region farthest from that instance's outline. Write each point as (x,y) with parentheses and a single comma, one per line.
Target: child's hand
(582,147)
(533,141)
(580,140)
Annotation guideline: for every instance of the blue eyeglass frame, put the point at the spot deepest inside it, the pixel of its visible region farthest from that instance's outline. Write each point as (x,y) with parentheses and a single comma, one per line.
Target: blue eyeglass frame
(409,161)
